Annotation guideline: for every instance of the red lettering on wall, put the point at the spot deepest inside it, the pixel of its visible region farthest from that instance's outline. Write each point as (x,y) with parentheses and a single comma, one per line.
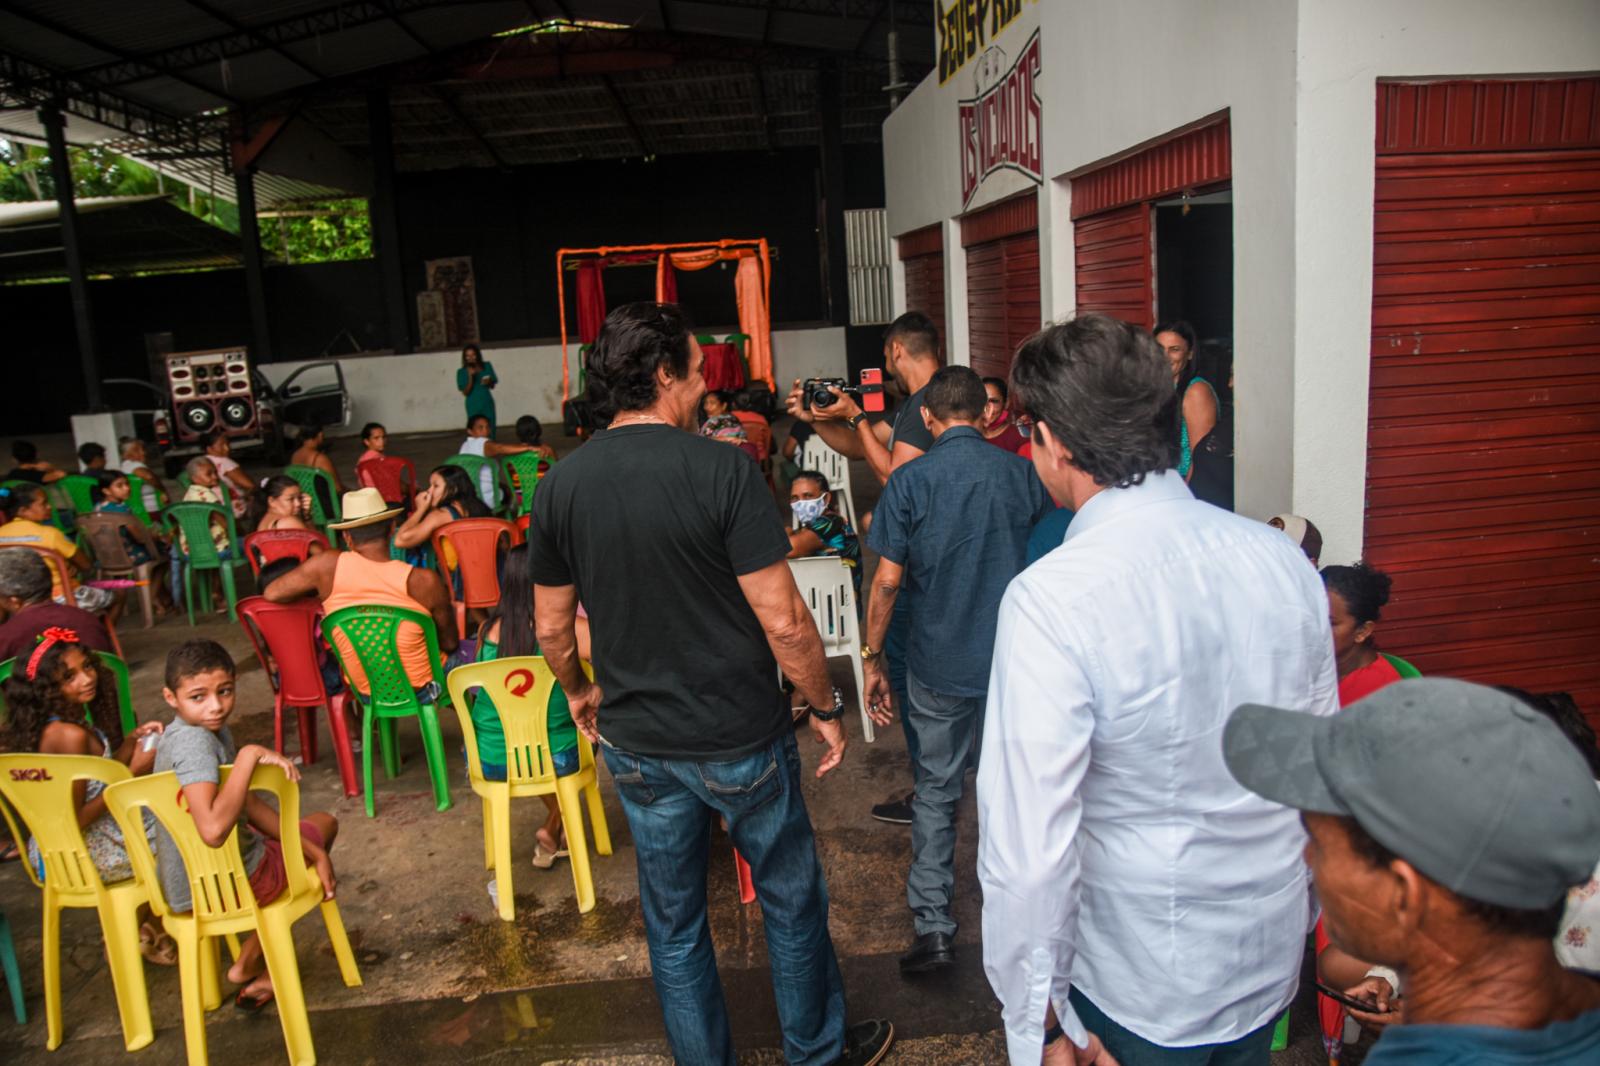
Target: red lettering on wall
(1002,128)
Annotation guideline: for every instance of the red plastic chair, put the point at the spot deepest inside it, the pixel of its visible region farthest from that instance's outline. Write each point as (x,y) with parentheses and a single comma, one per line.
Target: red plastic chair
(269,545)
(747,885)
(522,522)
(393,477)
(290,632)
(476,544)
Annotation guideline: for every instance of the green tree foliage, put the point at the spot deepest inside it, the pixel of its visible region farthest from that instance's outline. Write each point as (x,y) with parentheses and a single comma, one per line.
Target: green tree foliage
(321,232)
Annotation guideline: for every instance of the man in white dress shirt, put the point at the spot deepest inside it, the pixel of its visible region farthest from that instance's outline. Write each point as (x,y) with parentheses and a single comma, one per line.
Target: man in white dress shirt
(1139,905)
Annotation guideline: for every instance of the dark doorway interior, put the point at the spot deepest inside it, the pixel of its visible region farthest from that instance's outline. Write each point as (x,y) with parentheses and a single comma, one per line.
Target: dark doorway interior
(1194,266)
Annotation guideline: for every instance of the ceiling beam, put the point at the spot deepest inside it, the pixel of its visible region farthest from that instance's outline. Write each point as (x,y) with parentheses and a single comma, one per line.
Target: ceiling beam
(405,28)
(260,38)
(761,106)
(871,25)
(153,69)
(626,116)
(25,84)
(452,105)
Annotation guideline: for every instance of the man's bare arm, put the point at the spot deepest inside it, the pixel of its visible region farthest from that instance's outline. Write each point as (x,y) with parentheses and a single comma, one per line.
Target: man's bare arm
(880,608)
(310,578)
(555,616)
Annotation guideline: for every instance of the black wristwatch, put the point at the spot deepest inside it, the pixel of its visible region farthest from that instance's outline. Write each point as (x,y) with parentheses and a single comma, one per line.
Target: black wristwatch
(855,420)
(835,713)
(1052,1034)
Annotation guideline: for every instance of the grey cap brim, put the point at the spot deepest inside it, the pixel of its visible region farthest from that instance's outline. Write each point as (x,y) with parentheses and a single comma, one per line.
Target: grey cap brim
(1273,753)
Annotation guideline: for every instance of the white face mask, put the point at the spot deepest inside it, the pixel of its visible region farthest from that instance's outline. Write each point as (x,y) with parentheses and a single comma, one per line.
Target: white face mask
(808,511)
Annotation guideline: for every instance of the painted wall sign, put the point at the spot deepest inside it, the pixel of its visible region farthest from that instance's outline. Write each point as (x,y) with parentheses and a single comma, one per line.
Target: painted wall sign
(966,28)
(1001,127)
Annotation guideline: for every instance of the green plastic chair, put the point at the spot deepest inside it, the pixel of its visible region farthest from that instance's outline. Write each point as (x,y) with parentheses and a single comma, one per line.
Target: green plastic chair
(319,486)
(530,468)
(1280,1033)
(119,670)
(136,501)
(371,631)
(8,962)
(184,480)
(474,465)
(80,489)
(194,520)
(1401,667)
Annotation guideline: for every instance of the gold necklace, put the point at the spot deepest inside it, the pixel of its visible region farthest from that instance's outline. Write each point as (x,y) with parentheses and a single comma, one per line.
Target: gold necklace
(639,420)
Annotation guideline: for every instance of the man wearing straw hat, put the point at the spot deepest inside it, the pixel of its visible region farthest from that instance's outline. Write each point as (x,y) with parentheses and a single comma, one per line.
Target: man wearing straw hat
(364,576)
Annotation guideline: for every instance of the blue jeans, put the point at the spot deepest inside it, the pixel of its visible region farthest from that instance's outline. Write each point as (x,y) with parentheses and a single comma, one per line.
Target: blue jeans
(1130,1049)
(670,804)
(946,728)
(565,764)
(896,643)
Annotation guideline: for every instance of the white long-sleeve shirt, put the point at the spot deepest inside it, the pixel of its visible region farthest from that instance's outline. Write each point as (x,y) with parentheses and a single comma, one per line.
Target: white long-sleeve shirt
(1116,852)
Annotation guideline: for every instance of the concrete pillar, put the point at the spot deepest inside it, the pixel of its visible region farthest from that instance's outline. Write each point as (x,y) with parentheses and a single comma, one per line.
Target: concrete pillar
(835,262)
(255,288)
(386,221)
(77,279)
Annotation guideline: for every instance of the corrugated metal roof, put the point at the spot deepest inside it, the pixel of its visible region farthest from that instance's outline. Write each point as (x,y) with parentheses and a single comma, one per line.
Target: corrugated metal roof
(119,235)
(687,76)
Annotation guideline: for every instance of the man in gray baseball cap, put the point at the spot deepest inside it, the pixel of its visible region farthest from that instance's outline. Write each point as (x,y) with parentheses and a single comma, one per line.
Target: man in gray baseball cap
(1447,822)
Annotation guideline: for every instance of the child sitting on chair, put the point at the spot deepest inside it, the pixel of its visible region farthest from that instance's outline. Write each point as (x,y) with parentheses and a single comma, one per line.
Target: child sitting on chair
(200,689)
(507,634)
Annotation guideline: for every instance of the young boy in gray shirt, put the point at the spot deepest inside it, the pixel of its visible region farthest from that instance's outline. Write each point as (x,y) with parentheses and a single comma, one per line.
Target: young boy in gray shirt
(200,687)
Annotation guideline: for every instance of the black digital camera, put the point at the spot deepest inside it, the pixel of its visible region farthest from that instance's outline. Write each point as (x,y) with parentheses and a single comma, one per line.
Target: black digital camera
(817,391)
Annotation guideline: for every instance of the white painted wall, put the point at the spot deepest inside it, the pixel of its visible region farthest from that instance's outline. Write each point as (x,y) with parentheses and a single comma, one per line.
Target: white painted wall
(417,394)
(1299,83)
(1195,59)
(1345,46)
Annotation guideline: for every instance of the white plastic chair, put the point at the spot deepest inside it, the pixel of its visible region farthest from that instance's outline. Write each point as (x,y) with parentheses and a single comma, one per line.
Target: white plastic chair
(817,455)
(830,594)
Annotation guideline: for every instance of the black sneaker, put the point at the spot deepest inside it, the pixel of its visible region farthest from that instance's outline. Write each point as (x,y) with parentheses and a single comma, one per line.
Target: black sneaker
(895,811)
(866,1043)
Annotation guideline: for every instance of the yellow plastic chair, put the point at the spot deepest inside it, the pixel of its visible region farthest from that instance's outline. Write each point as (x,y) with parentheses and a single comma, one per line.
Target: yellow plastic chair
(40,788)
(520,688)
(224,904)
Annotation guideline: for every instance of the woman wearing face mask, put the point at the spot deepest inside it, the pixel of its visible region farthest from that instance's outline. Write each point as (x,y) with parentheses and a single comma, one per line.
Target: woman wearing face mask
(818,528)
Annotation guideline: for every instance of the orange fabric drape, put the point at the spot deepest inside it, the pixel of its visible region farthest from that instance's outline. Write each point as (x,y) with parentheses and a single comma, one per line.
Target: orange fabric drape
(752,286)
(666,281)
(749,285)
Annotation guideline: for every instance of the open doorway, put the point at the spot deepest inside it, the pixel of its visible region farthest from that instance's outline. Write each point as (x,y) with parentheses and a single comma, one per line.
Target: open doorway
(1194,263)
(1194,283)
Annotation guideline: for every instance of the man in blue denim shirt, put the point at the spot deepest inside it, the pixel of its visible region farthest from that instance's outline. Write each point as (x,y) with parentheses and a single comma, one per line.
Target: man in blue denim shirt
(952,528)
(674,545)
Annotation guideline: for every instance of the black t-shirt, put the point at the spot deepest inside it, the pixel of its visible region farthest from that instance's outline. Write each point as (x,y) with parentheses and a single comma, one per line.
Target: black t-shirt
(908,425)
(654,526)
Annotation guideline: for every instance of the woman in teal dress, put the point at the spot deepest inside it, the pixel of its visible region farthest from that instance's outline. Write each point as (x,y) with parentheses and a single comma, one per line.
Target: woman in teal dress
(1199,415)
(474,380)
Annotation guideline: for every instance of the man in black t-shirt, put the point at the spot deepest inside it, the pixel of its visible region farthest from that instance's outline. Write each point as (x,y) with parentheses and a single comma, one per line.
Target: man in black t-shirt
(673,544)
(911,356)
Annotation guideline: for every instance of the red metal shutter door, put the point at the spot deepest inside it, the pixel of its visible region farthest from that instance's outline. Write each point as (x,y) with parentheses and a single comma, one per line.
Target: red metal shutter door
(1112,256)
(1003,302)
(925,288)
(1483,471)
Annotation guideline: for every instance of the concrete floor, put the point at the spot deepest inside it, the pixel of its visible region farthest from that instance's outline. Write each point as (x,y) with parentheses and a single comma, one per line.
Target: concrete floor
(445,981)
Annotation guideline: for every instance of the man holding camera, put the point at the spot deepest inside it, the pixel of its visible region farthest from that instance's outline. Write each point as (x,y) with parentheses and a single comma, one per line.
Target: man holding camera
(911,356)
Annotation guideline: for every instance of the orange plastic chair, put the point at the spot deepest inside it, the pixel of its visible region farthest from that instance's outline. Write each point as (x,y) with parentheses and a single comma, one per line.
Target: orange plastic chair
(475,545)
(69,585)
(269,545)
(520,688)
(523,522)
(288,634)
(40,788)
(224,904)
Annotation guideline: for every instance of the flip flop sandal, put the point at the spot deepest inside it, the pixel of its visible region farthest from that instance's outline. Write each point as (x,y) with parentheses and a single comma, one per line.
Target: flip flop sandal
(544,860)
(251,1004)
(157,947)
